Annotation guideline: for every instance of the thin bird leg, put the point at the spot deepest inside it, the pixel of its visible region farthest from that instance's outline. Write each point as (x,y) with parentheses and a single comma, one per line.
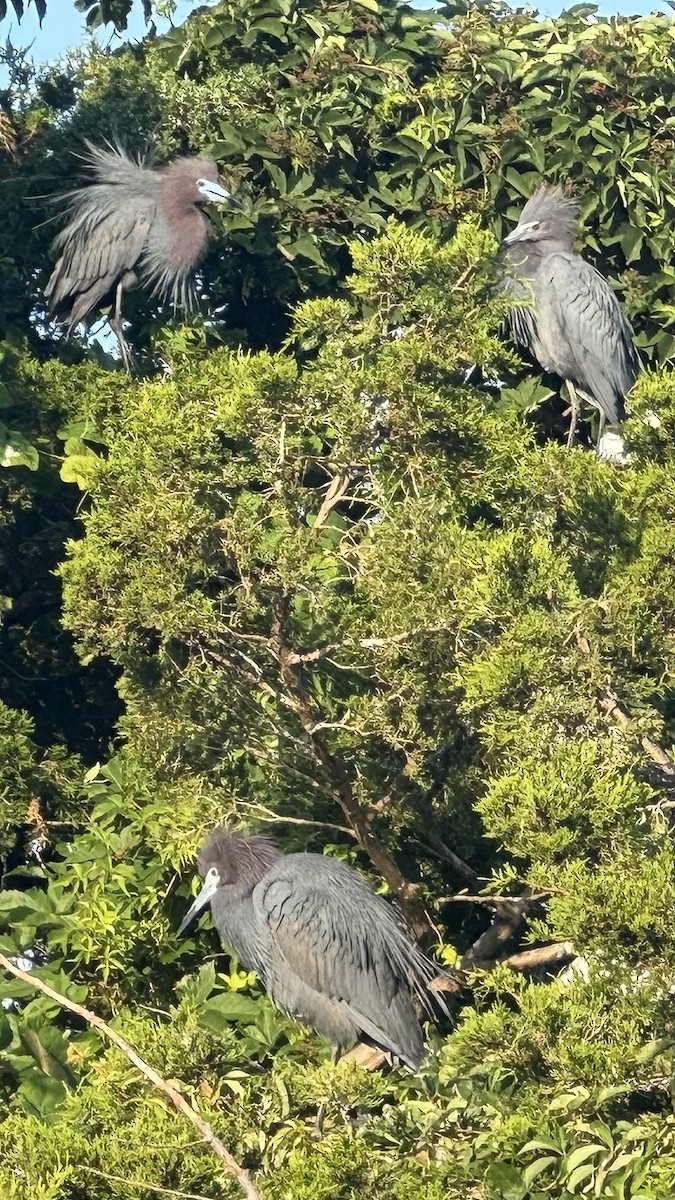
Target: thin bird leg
(117,326)
(317,1132)
(574,410)
(601,427)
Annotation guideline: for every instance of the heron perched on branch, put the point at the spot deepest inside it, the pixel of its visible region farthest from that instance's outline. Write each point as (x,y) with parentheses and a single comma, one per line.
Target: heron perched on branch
(327,948)
(574,326)
(131,222)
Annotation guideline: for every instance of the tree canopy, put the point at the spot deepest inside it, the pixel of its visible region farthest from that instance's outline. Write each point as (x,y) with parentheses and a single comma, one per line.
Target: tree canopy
(327,568)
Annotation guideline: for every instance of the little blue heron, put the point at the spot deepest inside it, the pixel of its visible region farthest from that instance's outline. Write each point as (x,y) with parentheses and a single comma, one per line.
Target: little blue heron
(131,222)
(575,327)
(327,949)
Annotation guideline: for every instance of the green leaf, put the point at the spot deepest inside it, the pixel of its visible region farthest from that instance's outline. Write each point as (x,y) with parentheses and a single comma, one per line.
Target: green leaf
(580,1155)
(194,990)
(39,1094)
(228,1008)
(579,1176)
(16,451)
(269,25)
(79,469)
(537,1168)
(48,1048)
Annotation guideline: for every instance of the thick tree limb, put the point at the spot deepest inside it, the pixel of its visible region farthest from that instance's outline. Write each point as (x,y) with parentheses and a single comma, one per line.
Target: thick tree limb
(203,1127)
(508,922)
(555,955)
(543,956)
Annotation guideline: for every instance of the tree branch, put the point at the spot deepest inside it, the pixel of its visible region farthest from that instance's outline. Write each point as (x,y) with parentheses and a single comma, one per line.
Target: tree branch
(543,956)
(485,949)
(339,783)
(658,755)
(142,1184)
(334,494)
(208,1136)
(609,705)
(439,849)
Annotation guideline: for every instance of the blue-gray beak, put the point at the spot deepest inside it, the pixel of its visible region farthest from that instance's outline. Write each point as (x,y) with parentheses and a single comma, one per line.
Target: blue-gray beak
(209,889)
(215,194)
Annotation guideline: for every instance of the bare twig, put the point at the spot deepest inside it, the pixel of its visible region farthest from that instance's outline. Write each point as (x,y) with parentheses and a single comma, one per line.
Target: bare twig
(140,1183)
(276,818)
(461,279)
(440,850)
(282,766)
(658,755)
(208,1135)
(489,901)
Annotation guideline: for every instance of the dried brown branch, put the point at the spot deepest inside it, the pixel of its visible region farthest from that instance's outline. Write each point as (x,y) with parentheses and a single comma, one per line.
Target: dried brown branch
(543,956)
(203,1127)
(275,818)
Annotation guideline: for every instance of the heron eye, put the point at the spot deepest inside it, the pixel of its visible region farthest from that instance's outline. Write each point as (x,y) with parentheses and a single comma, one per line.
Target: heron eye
(202,182)
(212,875)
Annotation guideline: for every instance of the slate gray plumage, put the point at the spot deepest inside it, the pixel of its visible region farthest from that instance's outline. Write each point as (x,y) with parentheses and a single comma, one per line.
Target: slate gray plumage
(131,223)
(575,327)
(327,949)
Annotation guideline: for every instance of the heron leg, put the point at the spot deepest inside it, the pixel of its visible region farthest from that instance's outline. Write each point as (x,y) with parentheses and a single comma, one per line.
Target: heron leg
(574,412)
(601,427)
(116,324)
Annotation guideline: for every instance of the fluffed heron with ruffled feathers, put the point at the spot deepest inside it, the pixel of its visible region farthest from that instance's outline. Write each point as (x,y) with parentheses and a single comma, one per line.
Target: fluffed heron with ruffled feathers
(131,224)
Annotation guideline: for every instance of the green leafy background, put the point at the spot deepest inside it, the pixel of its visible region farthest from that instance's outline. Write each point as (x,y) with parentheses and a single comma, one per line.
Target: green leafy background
(316,571)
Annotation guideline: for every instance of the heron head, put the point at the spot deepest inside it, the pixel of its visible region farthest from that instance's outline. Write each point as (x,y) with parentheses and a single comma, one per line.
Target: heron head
(548,216)
(194,181)
(231,861)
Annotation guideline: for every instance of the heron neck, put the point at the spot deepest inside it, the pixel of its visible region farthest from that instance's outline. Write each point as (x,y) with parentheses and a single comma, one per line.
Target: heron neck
(527,257)
(239,928)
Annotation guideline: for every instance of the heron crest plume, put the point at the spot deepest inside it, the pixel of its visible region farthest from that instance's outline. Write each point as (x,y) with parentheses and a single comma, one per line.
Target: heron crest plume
(556,213)
(237,858)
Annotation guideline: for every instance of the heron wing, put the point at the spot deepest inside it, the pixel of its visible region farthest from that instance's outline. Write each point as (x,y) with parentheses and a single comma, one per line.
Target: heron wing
(335,935)
(104,240)
(581,332)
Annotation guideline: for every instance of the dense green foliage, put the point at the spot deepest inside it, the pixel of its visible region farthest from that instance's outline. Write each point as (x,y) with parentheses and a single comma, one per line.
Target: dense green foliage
(320,573)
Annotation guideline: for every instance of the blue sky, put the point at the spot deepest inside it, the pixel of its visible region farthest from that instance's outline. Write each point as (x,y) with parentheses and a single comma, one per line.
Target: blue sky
(63,27)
